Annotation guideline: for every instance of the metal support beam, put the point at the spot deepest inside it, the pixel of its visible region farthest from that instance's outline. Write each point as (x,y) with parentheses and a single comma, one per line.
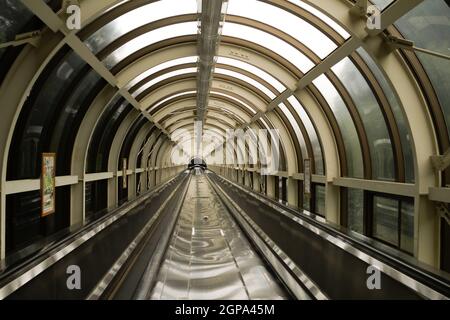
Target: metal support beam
(360,8)
(208,43)
(32,38)
(51,19)
(409,45)
(388,17)
(443,211)
(394,12)
(442,162)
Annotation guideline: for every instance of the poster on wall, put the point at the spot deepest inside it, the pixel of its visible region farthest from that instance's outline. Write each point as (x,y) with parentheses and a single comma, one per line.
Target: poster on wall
(124,173)
(48,186)
(307,181)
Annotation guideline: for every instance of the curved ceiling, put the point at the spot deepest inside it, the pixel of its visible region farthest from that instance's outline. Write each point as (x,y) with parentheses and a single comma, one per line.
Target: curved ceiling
(355,100)
(151,51)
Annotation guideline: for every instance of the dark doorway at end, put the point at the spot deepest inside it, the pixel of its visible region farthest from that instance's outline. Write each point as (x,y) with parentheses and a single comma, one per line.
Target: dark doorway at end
(197,163)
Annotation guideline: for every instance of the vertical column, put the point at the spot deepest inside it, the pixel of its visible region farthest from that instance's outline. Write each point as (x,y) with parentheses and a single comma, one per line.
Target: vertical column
(256,182)
(332,160)
(80,150)
(2,224)
(247,178)
(114,162)
(427,231)
(292,192)
(77,199)
(144,186)
(112,191)
(132,186)
(271,186)
(332,204)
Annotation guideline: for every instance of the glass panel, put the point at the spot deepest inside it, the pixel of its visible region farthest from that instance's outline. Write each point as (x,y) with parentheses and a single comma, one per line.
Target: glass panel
(235,99)
(23,220)
(162,78)
(104,134)
(129,140)
(280,19)
(372,117)
(407,230)
(249,80)
(385,219)
(40,113)
(71,113)
(13,18)
(136,18)
(270,42)
(318,157)
(153,107)
(355,210)
(402,124)
(25,228)
(266,126)
(428,25)
(298,132)
(320,200)
(252,69)
(149,38)
(224,108)
(322,17)
(346,126)
(445,243)
(96,199)
(159,67)
(382,4)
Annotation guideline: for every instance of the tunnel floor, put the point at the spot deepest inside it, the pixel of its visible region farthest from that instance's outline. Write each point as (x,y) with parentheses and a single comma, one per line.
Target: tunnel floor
(209,256)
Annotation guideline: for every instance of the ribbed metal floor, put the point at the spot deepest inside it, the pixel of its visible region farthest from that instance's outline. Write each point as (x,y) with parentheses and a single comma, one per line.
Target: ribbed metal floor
(209,257)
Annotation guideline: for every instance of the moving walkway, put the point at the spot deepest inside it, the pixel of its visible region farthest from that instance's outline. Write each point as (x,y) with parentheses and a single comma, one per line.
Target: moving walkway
(200,236)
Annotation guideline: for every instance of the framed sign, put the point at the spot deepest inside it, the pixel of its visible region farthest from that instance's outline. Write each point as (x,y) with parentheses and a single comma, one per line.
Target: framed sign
(124,173)
(48,185)
(308,176)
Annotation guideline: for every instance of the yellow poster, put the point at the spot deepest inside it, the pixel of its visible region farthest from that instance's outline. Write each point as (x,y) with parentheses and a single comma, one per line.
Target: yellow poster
(48,186)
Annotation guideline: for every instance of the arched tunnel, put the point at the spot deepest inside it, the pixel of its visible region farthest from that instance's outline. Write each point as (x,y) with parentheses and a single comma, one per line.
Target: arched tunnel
(225,149)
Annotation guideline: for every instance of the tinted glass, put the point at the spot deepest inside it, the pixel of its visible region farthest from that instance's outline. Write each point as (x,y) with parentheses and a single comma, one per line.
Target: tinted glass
(355,210)
(385,219)
(372,117)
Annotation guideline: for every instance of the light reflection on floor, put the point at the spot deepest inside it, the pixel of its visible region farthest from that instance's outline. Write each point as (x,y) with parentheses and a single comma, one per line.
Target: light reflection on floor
(209,257)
